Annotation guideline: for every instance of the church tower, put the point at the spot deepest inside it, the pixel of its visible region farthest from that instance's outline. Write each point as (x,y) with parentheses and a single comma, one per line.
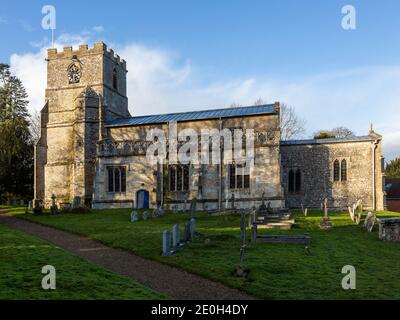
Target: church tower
(85,88)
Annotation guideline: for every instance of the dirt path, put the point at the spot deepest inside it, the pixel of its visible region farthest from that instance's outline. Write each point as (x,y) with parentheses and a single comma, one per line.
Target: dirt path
(162,278)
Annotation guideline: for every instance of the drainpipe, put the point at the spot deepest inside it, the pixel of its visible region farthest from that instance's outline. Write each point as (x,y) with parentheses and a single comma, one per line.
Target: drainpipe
(220,168)
(375,144)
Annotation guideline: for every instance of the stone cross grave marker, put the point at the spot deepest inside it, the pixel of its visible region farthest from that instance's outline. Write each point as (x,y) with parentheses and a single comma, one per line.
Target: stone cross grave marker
(176,237)
(243,227)
(166,249)
(53,207)
(325,222)
(370,221)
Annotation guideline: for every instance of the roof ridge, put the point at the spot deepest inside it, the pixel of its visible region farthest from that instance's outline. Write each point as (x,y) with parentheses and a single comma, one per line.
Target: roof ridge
(203,110)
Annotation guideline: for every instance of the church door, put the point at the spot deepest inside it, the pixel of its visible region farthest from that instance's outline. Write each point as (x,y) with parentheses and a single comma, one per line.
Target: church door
(142,199)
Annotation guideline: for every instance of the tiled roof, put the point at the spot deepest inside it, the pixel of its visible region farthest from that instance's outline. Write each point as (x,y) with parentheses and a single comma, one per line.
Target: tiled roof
(193,115)
(329,140)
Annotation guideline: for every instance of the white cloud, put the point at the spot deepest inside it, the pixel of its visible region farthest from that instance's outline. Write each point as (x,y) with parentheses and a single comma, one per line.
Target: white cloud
(161,81)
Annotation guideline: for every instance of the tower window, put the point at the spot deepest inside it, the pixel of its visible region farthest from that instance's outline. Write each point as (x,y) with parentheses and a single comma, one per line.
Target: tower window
(115,79)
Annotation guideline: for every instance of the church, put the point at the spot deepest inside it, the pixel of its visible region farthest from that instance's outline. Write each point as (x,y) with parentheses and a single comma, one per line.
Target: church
(92,148)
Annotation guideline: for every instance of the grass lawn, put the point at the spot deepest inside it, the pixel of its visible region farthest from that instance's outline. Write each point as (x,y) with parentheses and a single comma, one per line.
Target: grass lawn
(277,271)
(22,258)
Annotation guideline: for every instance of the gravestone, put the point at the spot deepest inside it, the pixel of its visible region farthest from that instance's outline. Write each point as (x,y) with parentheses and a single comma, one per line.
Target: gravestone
(389,229)
(175,209)
(53,207)
(370,221)
(76,202)
(252,218)
(186,232)
(185,202)
(263,207)
(21,202)
(38,207)
(166,250)
(30,205)
(192,229)
(232,201)
(176,237)
(253,233)
(243,228)
(325,223)
(193,205)
(145,216)
(134,216)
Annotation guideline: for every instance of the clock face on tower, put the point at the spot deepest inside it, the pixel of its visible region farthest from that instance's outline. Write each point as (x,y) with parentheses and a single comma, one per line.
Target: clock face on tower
(74,73)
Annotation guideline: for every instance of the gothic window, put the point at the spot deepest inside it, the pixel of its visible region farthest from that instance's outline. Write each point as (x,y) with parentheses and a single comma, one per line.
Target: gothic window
(343,170)
(336,170)
(74,73)
(291,181)
(298,180)
(116,179)
(238,178)
(178,178)
(115,79)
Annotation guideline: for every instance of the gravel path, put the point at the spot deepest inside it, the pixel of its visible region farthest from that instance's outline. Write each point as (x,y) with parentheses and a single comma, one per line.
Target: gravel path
(168,280)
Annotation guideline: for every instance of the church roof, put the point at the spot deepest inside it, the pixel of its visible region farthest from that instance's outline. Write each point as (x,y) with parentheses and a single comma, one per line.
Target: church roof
(329,140)
(193,115)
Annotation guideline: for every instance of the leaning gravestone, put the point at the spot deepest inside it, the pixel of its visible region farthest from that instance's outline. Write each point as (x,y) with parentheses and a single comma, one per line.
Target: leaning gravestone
(370,221)
(186,232)
(176,237)
(192,229)
(166,250)
(134,216)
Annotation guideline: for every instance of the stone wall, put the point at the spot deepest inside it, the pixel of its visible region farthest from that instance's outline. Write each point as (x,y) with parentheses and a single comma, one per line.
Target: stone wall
(264,178)
(75,114)
(315,160)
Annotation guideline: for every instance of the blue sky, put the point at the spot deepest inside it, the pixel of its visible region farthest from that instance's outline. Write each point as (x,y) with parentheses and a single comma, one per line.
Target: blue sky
(187,55)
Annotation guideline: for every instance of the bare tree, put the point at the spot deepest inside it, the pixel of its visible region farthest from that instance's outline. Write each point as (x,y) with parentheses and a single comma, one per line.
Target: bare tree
(235,105)
(35,126)
(342,132)
(259,102)
(338,132)
(292,125)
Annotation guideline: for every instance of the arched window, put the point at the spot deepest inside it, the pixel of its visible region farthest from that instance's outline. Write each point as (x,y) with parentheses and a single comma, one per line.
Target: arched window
(291,181)
(336,172)
(344,170)
(115,79)
(298,180)
(178,178)
(116,179)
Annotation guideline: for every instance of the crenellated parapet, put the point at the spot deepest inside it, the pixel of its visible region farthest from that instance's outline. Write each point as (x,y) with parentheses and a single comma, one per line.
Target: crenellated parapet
(98,48)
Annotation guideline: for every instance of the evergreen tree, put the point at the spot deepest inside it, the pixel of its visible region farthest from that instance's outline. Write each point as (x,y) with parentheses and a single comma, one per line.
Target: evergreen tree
(393,168)
(16,147)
